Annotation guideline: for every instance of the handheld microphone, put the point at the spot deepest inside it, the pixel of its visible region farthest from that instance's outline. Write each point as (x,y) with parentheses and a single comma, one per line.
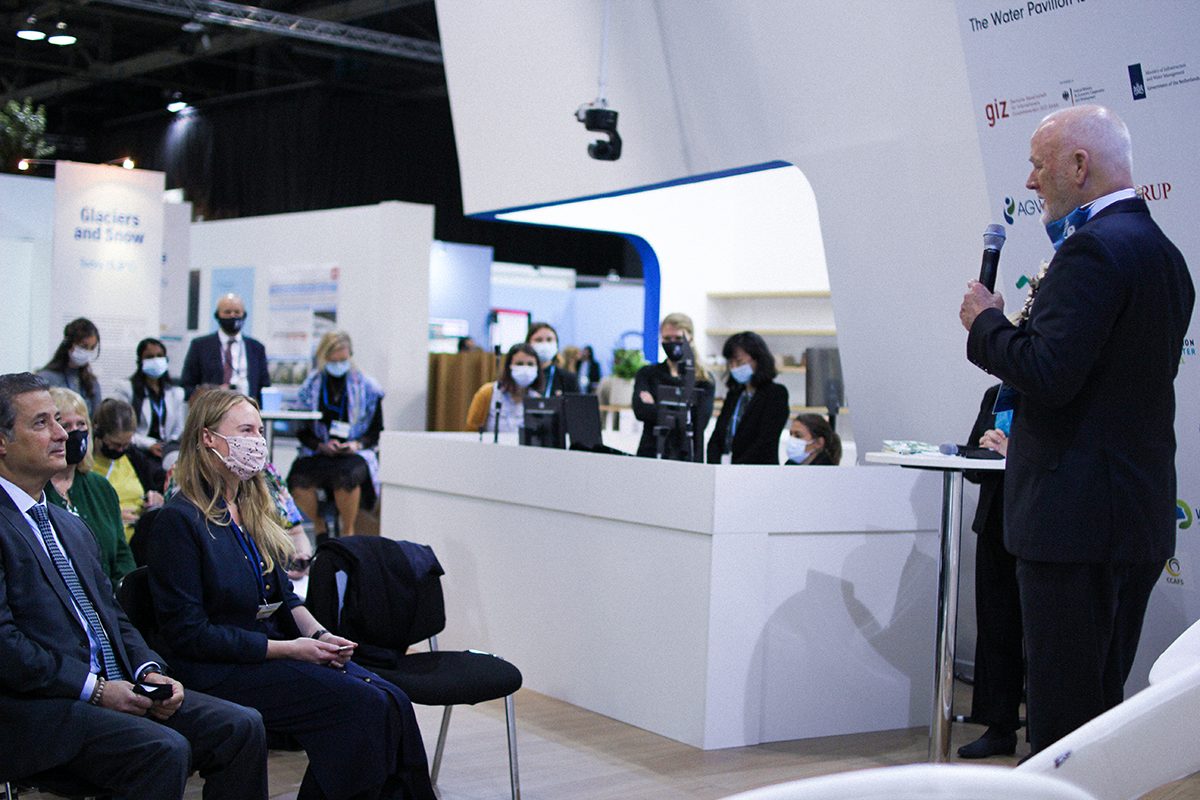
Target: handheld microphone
(993,240)
(967,451)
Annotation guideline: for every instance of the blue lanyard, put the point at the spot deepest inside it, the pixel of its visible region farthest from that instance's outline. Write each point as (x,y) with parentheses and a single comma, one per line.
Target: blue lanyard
(737,417)
(550,381)
(160,410)
(340,409)
(252,557)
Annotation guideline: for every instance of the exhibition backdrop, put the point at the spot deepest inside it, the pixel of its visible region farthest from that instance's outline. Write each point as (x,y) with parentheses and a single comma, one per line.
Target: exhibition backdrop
(1143,61)
(107,257)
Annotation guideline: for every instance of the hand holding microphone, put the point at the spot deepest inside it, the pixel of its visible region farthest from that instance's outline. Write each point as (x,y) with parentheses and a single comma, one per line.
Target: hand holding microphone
(979,296)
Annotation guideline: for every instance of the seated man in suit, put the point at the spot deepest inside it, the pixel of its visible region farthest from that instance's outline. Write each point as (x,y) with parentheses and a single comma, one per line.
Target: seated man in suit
(70,660)
(226,358)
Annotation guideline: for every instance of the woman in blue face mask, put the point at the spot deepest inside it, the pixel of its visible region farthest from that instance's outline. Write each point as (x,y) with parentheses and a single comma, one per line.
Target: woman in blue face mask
(755,408)
(338,453)
(158,405)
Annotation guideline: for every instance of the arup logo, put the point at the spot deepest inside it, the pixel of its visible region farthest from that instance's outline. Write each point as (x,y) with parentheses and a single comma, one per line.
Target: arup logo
(1174,569)
(995,111)
(1183,515)
(1136,83)
(1010,206)
(1154,191)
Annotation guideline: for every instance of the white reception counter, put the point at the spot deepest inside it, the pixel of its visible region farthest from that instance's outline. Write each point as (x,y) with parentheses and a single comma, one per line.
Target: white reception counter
(717,605)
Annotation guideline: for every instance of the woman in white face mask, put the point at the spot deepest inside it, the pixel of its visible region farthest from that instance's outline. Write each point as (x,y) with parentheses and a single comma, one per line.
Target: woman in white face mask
(338,453)
(520,377)
(158,405)
(70,366)
(231,626)
(557,379)
(813,442)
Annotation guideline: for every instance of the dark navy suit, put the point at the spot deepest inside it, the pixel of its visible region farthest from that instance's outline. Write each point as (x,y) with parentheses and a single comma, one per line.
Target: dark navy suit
(205,363)
(1089,488)
(45,661)
(359,731)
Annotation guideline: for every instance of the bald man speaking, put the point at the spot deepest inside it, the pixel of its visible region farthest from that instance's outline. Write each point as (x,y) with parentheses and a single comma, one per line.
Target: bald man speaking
(1089,366)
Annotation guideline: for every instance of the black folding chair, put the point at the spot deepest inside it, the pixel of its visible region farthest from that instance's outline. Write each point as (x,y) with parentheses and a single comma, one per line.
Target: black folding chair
(403,606)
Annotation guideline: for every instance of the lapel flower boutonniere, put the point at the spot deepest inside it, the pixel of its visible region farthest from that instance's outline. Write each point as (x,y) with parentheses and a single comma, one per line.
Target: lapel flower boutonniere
(1034,283)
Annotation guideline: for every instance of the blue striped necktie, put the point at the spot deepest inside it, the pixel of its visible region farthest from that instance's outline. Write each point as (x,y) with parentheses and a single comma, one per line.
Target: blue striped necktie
(112,668)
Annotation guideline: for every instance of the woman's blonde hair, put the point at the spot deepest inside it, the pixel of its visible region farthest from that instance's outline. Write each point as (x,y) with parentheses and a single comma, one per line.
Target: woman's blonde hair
(331,341)
(200,475)
(67,401)
(682,321)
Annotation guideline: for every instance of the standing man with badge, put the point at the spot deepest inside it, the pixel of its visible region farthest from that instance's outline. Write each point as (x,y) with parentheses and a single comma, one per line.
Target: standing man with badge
(1089,498)
(227,358)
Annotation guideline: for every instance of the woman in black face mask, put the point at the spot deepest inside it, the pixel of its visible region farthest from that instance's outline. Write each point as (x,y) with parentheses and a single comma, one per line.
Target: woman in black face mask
(85,493)
(674,330)
(121,463)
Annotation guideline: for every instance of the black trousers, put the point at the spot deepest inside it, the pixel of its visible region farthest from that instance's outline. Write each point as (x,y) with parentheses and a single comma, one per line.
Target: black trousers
(999,655)
(1082,625)
(142,759)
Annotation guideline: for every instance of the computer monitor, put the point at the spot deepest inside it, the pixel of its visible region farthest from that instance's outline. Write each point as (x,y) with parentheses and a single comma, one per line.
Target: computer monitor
(671,423)
(582,413)
(544,423)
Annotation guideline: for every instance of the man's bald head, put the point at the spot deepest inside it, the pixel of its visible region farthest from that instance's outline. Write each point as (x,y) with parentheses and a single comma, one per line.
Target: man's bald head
(1079,154)
(231,305)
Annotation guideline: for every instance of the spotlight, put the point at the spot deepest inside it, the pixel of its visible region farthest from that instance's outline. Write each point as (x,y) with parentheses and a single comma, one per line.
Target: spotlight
(175,106)
(30,31)
(128,163)
(62,38)
(23,165)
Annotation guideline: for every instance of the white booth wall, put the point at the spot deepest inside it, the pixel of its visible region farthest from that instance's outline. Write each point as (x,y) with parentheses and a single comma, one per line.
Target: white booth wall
(26,237)
(382,252)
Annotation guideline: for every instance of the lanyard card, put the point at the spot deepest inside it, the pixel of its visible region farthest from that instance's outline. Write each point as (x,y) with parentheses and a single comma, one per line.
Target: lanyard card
(267,609)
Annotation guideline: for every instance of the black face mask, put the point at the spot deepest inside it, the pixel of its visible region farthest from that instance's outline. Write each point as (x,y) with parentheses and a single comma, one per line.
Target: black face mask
(76,446)
(112,454)
(231,325)
(674,350)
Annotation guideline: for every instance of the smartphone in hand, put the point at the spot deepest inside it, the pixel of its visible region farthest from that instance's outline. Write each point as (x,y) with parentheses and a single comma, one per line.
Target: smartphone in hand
(155,691)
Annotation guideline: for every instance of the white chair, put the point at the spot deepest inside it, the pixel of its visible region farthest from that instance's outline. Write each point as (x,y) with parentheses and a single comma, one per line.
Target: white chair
(1143,743)
(1183,653)
(923,782)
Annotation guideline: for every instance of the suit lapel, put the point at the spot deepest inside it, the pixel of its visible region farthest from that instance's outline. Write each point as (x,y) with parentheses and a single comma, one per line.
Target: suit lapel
(18,527)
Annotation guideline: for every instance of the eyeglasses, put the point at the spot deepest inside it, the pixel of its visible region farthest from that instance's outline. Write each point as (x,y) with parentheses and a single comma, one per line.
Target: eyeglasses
(299,564)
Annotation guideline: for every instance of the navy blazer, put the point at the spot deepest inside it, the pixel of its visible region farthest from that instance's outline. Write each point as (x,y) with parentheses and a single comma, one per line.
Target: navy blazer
(756,440)
(44,653)
(204,363)
(1091,460)
(206,597)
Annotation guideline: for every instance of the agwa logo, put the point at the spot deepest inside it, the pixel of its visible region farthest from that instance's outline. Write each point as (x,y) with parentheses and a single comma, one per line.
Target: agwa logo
(1183,515)
(1018,209)
(1174,572)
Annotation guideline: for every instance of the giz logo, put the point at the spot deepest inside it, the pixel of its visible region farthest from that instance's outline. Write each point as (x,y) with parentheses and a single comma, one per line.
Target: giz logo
(1023,208)
(995,111)
(1174,569)
(1154,191)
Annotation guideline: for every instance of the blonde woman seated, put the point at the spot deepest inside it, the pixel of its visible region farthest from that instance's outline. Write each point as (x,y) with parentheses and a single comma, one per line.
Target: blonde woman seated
(231,626)
(338,451)
(85,493)
(520,378)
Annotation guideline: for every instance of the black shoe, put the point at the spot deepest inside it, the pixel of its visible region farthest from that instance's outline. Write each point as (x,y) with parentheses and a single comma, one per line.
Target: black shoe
(994,742)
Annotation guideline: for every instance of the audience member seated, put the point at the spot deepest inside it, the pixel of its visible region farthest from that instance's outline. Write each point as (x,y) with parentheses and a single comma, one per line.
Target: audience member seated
(231,625)
(69,657)
(588,371)
(337,453)
(517,380)
(84,493)
(673,330)
(755,408)
(467,345)
(121,463)
(157,403)
(71,364)
(557,379)
(813,442)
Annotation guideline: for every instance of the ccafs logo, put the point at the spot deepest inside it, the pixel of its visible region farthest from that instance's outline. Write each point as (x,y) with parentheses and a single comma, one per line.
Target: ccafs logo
(1174,572)
(1018,209)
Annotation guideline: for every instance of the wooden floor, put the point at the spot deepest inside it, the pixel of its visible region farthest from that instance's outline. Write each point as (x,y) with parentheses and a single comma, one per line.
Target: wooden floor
(566,752)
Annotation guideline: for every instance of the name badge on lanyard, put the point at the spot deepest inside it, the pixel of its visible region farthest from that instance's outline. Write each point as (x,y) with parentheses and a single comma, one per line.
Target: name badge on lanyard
(267,609)
(339,429)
